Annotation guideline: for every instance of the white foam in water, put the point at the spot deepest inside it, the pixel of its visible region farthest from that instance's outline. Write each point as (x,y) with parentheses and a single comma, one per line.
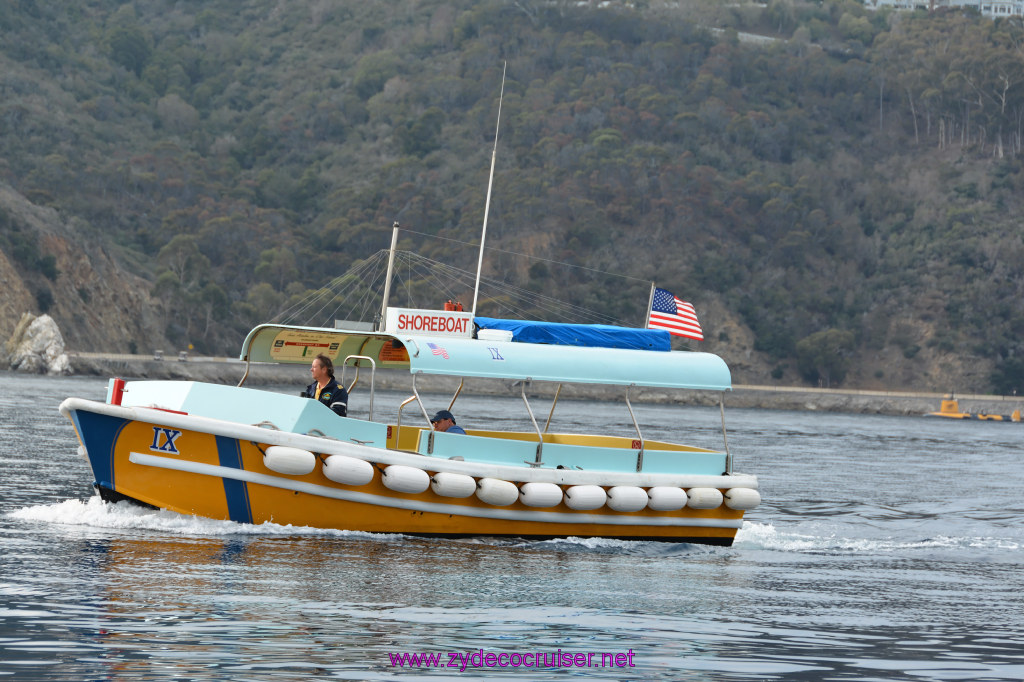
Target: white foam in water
(96,513)
(765,536)
(591,543)
(616,546)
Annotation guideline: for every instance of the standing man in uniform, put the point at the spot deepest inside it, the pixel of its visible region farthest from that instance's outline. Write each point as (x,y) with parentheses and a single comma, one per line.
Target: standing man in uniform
(325,387)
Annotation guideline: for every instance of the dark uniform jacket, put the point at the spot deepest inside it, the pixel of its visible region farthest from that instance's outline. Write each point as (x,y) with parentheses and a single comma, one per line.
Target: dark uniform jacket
(333,396)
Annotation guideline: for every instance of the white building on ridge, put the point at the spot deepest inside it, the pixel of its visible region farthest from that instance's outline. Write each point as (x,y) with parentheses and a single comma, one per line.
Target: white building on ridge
(987,8)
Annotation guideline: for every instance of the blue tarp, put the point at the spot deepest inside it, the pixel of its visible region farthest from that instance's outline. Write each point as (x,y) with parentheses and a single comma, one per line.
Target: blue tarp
(592,335)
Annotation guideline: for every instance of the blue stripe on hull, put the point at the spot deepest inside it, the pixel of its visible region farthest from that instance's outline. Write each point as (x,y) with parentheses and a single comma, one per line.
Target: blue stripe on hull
(99,434)
(235,492)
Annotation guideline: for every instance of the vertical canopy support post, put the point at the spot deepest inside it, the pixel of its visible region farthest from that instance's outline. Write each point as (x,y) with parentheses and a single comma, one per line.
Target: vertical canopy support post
(554,402)
(455,397)
(416,393)
(540,436)
(725,437)
(640,454)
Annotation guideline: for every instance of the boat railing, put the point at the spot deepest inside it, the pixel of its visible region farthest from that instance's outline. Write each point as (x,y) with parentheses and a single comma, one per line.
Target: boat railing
(415,397)
(373,374)
(398,424)
(423,409)
(538,461)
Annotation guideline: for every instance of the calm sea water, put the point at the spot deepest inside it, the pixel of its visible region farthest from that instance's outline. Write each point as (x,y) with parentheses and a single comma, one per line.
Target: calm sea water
(887,548)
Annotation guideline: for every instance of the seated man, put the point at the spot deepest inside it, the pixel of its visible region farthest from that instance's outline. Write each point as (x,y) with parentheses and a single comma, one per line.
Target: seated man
(445,421)
(325,387)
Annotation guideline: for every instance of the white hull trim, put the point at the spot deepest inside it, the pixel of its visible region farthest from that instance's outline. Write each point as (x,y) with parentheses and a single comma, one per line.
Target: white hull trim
(420,505)
(246,432)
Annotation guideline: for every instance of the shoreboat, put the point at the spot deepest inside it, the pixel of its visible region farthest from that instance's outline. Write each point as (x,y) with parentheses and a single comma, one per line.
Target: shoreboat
(254,456)
(950,409)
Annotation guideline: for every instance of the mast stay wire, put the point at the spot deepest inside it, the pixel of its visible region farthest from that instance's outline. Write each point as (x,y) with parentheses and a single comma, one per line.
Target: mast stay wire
(354,290)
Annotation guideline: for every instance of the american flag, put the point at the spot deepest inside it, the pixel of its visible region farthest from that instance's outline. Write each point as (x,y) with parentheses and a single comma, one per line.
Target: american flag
(438,350)
(675,315)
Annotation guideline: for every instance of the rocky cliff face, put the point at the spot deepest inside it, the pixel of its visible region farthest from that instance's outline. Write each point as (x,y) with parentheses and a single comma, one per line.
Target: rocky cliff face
(36,347)
(16,299)
(96,303)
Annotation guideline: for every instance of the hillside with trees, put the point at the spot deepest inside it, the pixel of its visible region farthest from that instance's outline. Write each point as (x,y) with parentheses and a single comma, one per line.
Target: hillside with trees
(839,202)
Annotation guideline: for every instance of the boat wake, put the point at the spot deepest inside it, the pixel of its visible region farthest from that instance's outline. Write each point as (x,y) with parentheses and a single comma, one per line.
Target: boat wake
(767,536)
(95,513)
(123,516)
(619,547)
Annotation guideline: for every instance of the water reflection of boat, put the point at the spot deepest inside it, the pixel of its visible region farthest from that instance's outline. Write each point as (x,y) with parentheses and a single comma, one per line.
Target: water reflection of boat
(950,409)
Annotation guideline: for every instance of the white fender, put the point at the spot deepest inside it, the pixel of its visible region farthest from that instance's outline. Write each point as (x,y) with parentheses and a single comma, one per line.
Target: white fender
(627,498)
(585,497)
(496,492)
(539,494)
(704,498)
(666,498)
(405,479)
(447,484)
(348,470)
(742,499)
(290,461)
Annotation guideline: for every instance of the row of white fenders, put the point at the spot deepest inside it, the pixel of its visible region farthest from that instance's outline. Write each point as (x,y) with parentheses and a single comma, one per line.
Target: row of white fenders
(411,480)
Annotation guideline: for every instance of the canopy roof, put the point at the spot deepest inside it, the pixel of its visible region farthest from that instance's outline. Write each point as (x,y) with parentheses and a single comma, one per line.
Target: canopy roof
(491,359)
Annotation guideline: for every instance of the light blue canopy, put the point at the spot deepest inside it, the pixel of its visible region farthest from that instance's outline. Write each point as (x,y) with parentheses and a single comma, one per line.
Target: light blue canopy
(463,357)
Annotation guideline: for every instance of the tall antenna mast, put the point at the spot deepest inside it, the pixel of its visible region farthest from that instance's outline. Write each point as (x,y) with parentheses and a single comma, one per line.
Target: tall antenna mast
(487,204)
(387,281)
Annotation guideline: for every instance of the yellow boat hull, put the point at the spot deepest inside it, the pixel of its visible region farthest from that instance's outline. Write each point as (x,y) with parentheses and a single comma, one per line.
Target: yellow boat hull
(219,476)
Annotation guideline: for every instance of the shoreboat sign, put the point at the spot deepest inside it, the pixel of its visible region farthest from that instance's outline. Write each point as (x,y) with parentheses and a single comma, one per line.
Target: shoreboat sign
(430,322)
